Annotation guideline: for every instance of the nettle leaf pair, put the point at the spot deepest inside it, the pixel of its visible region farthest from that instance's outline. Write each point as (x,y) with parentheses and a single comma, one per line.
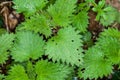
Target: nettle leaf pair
(52,17)
(99,59)
(28,45)
(42,70)
(56,15)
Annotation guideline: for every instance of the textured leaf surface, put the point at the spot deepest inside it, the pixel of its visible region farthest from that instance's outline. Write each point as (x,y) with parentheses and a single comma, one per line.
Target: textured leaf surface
(80,21)
(31,71)
(51,71)
(65,46)
(61,11)
(99,59)
(2,76)
(95,64)
(109,42)
(111,32)
(27,45)
(5,44)
(41,24)
(108,17)
(17,72)
(111,48)
(28,7)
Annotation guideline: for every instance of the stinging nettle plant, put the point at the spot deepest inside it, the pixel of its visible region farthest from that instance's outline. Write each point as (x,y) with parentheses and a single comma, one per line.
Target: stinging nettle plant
(48,45)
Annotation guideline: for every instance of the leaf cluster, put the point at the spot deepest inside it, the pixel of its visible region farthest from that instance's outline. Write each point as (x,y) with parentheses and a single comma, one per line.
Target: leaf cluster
(49,44)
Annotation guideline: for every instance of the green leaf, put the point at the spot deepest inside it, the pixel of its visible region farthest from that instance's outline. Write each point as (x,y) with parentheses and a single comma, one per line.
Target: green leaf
(99,59)
(83,7)
(101,4)
(65,46)
(106,39)
(111,32)
(118,17)
(80,21)
(2,76)
(27,45)
(5,44)
(108,17)
(17,72)
(111,52)
(51,71)
(38,23)
(98,7)
(105,14)
(95,64)
(31,71)
(28,7)
(87,39)
(2,31)
(61,12)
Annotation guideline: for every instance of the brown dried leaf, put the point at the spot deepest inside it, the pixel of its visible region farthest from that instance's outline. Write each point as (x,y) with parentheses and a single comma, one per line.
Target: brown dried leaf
(10,17)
